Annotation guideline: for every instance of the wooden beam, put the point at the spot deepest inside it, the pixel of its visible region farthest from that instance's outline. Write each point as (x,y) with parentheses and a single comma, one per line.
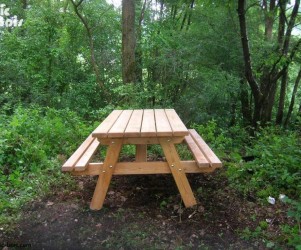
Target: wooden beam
(133,168)
(141,153)
(178,172)
(105,176)
(142,140)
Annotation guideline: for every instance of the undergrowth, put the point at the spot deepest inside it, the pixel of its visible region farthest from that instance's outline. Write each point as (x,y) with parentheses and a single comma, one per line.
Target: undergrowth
(34,142)
(265,166)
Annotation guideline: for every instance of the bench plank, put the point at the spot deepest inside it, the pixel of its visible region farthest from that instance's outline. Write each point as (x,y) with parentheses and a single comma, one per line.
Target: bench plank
(178,127)
(148,127)
(162,123)
(134,126)
(120,124)
(70,163)
(208,153)
(105,126)
(197,153)
(85,158)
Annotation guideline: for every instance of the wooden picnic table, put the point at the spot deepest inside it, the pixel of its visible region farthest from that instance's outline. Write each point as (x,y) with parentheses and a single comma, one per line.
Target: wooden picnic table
(142,127)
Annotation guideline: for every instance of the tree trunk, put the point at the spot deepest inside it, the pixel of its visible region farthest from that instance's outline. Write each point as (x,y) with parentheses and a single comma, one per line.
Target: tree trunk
(291,107)
(128,41)
(284,79)
(245,104)
(138,52)
(282,18)
(190,13)
(248,63)
(269,19)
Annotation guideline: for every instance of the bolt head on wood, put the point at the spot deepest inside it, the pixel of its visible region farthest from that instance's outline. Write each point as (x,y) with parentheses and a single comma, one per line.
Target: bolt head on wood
(104,171)
(111,166)
(180,169)
(172,165)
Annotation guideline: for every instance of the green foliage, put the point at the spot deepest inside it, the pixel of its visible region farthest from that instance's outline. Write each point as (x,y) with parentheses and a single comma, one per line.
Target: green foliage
(226,143)
(292,233)
(276,167)
(34,143)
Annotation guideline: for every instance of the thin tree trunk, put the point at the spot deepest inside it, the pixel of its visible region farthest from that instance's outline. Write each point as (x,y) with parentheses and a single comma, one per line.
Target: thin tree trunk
(190,14)
(139,47)
(245,104)
(91,44)
(248,63)
(284,79)
(184,18)
(128,41)
(281,25)
(269,19)
(291,107)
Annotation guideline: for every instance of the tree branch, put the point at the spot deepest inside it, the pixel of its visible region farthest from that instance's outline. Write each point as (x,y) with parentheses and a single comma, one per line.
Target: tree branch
(91,43)
(290,27)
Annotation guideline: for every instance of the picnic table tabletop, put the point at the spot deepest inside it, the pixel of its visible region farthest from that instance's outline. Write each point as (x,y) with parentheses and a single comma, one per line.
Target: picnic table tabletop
(141,123)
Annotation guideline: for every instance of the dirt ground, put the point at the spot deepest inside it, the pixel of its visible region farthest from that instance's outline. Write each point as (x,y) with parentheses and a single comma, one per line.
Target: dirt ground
(140,212)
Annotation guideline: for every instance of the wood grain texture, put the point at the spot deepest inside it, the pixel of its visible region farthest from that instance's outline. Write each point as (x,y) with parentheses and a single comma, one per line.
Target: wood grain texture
(141,140)
(162,123)
(134,126)
(105,126)
(70,163)
(141,153)
(118,128)
(137,168)
(105,176)
(148,127)
(85,158)
(196,152)
(208,153)
(178,127)
(178,172)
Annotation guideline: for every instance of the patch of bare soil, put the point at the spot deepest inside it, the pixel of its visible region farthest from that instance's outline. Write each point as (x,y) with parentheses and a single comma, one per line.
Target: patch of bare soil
(140,212)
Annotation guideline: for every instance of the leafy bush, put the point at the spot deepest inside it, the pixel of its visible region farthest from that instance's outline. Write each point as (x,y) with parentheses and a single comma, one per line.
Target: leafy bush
(225,143)
(34,142)
(276,167)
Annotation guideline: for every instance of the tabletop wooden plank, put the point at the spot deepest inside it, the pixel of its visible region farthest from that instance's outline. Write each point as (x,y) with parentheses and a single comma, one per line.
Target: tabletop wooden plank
(105,126)
(178,127)
(134,126)
(118,128)
(148,127)
(162,123)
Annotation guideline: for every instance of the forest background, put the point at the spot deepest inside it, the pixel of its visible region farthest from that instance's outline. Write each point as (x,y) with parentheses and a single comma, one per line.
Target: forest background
(231,69)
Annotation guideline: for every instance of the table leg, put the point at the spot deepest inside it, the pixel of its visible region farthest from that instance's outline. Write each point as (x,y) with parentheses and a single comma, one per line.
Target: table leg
(105,175)
(178,172)
(141,152)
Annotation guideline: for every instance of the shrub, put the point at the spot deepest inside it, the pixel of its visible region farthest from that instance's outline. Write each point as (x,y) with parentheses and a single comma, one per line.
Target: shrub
(275,168)
(34,142)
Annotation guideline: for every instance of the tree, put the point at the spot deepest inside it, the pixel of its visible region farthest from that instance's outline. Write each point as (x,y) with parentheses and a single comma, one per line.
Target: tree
(263,80)
(128,41)
(91,43)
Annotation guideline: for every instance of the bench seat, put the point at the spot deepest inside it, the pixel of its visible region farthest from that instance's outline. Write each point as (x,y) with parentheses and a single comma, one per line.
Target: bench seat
(201,152)
(81,157)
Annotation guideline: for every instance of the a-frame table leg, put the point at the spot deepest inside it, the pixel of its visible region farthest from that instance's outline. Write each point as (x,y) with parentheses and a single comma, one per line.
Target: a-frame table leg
(105,175)
(178,172)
